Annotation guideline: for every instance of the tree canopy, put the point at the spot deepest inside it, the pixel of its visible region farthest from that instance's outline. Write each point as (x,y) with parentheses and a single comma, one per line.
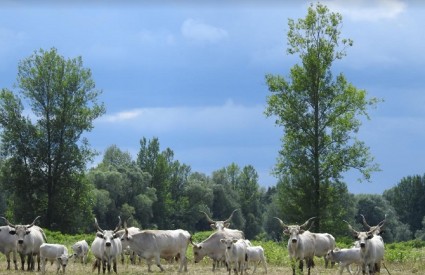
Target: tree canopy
(320,115)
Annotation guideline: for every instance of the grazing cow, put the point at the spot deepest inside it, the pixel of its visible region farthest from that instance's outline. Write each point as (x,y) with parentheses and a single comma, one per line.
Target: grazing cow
(371,249)
(29,238)
(235,253)
(213,248)
(80,249)
(106,247)
(345,257)
(256,254)
(157,244)
(8,245)
(219,225)
(301,244)
(54,253)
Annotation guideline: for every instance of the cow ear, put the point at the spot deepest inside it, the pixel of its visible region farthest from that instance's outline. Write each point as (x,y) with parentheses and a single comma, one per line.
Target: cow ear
(100,235)
(286,231)
(226,224)
(213,226)
(72,255)
(12,232)
(302,231)
(27,232)
(115,236)
(222,240)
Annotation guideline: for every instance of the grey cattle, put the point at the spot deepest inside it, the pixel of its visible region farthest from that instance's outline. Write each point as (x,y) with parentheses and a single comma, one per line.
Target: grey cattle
(371,249)
(256,255)
(219,225)
(345,257)
(8,245)
(301,244)
(80,249)
(28,239)
(212,246)
(157,244)
(235,253)
(57,253)
(106,247)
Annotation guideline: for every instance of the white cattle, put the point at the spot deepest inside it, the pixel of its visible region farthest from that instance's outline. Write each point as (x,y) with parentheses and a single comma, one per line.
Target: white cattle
(212,246)
(235,253)
(54,253)
(8,245)
(255,254)
(28,239)
(157,244)
(301,244)
(345,257)
(125,247)
(219,225)
(323,243)
(371,249)
(80,249)
(377,229)
(106,247)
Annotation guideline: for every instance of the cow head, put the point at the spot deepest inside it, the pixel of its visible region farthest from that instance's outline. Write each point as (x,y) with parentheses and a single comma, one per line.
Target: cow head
(219,225)
(294,230)
(361,237)
(198,253)
(63,260)
(20,230)
(107,235)
(377,229)
(228,242)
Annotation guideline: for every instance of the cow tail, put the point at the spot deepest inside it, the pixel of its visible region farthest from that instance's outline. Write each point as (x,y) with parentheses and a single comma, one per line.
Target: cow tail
(386,268)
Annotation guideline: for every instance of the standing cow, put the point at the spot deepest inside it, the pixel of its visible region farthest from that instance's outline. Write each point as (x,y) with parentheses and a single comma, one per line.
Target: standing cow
(106,247)
(371,249)
(29,238)
(157,244)
(219,225)
(80,249)
(54,253)
(301,244)
(8,245)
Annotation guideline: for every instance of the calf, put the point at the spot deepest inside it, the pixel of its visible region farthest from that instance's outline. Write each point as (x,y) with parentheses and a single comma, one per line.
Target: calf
(54,253)
(81,249)
(256,254)
(235,253)
(345,257)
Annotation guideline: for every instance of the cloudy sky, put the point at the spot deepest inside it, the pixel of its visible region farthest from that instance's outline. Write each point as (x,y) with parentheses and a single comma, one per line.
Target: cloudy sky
(193,75)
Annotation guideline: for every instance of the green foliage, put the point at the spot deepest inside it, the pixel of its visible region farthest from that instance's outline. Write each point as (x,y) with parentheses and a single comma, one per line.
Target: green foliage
(319,114)
(45,155)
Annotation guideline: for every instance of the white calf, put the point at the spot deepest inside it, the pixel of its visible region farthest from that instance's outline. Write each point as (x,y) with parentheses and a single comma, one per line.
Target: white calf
(81,249)
(235,253)
(54,253)
(345,257)
(256,254)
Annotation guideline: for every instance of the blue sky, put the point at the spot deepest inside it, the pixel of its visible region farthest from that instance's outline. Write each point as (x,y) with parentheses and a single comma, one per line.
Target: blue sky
(193,74)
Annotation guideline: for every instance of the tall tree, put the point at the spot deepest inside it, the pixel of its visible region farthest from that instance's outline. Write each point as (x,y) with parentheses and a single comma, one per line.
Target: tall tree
(46,151)
(319,113)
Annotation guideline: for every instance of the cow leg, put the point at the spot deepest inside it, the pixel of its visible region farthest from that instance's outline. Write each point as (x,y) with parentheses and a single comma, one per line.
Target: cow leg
(114,265)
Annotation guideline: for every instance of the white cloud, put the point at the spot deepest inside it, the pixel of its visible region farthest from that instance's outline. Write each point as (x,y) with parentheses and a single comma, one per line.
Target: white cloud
(199,31)
(368,10)
(227,117)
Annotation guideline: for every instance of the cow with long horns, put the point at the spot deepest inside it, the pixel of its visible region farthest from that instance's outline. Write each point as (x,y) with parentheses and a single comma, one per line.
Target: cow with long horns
(106,247)
(301,244)
(371,248)
(377,229)
(219,225)
(28,238)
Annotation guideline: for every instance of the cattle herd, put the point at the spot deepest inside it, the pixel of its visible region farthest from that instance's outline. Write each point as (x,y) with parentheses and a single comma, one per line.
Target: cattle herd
(224,246)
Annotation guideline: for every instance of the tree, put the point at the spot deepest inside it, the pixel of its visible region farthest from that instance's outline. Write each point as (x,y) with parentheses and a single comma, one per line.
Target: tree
(46,152)
(318,112)
(408,198)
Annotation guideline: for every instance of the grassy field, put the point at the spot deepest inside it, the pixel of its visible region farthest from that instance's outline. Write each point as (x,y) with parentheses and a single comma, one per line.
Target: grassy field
(400,259)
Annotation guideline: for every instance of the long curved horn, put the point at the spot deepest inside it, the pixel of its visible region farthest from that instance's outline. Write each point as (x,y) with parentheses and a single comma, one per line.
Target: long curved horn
(208,217)
(8,223)
(383,221)
(97,225)
(119,225)
(281,222)
(306,223)
(351,228)
(364,222)
(32,224)
(231,215)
